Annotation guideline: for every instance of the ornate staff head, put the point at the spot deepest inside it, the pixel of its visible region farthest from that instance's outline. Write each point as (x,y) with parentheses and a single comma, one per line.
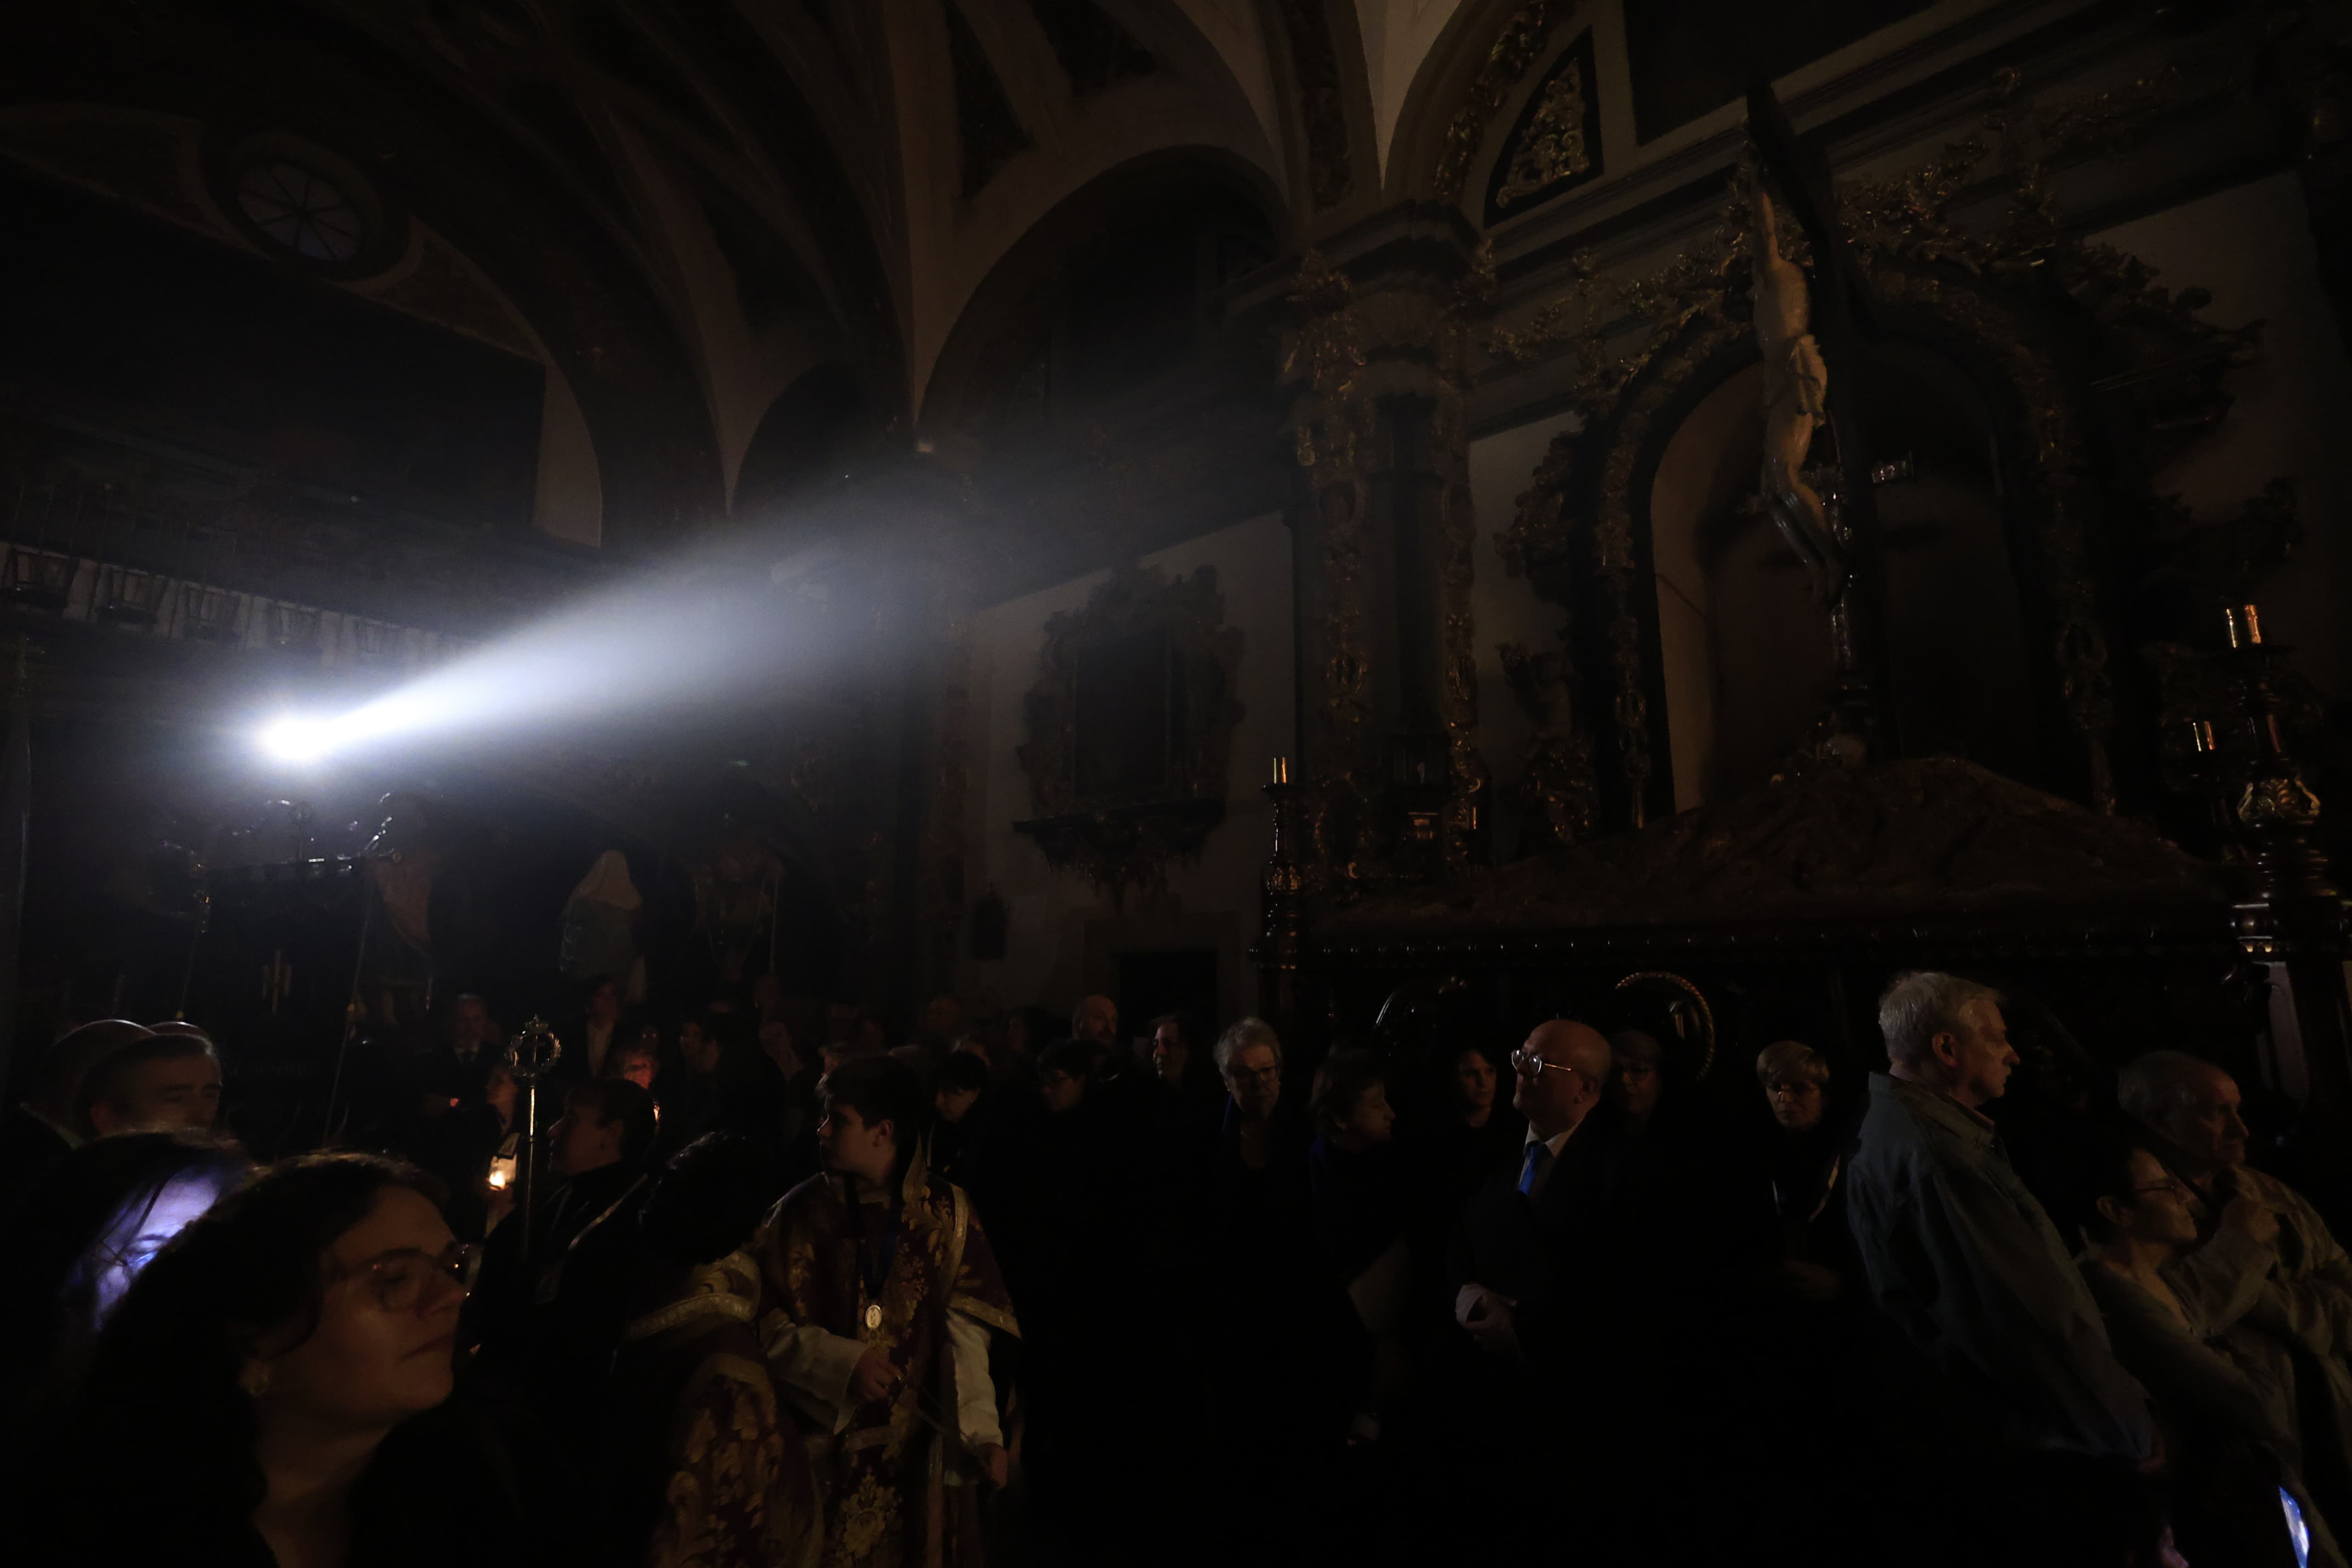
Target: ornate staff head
(534,1052)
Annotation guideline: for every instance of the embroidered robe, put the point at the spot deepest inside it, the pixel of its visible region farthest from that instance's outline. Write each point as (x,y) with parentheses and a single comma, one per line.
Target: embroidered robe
(714,1471)
(888,1475)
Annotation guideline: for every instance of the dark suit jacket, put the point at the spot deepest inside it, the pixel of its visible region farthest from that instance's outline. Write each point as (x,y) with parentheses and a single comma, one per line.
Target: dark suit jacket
(439,1072)
(1563,1256)
(745,1096)
(549,1325)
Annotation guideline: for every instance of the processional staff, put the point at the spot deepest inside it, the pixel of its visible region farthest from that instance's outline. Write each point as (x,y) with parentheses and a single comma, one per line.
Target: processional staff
(535,1051)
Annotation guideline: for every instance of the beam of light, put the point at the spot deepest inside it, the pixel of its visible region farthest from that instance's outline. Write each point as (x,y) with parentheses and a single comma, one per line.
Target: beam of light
(733,623)
(294,738)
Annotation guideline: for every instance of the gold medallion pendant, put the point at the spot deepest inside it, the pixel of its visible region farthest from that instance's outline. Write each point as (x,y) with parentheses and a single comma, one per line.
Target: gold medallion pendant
(874,1315)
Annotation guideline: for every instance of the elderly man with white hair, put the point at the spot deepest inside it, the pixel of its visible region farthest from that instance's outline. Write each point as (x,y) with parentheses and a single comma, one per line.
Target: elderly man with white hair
(1957,1250)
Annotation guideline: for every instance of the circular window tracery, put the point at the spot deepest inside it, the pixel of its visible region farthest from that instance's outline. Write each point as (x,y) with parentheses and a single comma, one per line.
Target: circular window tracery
(302,210)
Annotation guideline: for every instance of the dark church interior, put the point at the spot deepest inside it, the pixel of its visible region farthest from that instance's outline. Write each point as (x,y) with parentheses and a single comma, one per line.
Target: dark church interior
(1067,783)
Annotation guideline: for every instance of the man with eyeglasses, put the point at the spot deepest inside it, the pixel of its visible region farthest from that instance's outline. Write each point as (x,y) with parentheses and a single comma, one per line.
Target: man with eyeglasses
(1517,1293)
(1544,1296)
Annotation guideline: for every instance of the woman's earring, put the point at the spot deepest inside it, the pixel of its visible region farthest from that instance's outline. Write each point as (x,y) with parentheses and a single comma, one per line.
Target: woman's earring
(255,1380)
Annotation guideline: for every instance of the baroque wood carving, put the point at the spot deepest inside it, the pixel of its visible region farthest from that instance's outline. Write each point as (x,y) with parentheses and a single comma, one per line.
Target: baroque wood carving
(1411,345)
(1515,49)
(1130,727)
(1556,145)
(1994,295)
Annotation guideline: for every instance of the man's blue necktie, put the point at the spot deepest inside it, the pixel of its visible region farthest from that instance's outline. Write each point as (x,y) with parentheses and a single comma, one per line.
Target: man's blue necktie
(1539,1156)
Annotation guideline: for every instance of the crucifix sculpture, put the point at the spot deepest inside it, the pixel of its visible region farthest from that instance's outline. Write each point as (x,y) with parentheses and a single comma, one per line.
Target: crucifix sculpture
(1810,332)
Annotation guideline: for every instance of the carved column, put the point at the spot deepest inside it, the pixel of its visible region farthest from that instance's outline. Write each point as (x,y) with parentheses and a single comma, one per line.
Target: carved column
(1389,696)
(1336,424)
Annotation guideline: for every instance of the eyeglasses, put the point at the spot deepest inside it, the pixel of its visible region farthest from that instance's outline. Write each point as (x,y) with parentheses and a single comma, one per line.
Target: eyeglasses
(400,1278)
(1253,1075)
(1526,1064)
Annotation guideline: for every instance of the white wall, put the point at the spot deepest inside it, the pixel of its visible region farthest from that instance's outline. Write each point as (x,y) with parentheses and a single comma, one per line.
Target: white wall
(2251,246)
(1397,35)
(1062,932)
(569,501)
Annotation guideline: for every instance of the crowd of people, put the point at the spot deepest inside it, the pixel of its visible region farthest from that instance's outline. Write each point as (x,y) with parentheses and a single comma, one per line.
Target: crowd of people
(1021,1292)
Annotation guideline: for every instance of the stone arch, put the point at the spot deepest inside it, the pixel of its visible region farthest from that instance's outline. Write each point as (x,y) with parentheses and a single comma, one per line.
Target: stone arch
(802,438)
(1012,316)
(1475,74)
(955,236)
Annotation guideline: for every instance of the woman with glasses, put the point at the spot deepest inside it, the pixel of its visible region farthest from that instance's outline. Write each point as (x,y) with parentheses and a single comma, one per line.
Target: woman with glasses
(1802,1162)
(2229,1441)
(237,1407)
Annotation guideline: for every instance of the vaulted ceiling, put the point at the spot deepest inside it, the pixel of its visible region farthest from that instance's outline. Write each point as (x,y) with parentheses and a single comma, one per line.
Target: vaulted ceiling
(712,219)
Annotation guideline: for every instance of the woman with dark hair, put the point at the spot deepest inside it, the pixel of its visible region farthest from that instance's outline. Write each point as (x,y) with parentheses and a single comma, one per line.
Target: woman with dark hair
(2231,1441)
(234,1405)
(86,1234)
(1803,1166)
(1481,1131)
(1637,1079)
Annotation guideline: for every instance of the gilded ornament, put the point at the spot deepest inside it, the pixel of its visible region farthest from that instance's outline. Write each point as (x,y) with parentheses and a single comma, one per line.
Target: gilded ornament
(1552,149)
(1515,49)
(1915,253)
(2284,801)
(867,1519)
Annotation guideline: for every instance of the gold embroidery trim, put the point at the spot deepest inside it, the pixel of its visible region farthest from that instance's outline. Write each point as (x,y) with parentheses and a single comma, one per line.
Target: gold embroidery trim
(687,1311)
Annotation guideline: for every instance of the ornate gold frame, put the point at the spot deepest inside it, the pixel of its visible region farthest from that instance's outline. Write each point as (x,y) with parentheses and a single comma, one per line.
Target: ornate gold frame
(1122,844)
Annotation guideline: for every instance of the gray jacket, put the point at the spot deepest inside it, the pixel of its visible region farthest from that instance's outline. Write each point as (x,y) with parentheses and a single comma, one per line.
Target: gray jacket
(1963,1257)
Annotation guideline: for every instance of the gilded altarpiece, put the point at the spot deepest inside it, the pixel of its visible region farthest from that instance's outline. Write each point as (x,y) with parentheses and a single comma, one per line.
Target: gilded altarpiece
(2090,372)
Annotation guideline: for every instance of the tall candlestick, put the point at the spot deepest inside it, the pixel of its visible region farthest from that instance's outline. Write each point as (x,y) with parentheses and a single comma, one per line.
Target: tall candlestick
(1282,770)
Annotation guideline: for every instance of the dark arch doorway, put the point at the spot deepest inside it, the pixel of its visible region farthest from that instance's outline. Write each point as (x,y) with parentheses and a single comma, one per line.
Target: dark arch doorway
(802,440)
